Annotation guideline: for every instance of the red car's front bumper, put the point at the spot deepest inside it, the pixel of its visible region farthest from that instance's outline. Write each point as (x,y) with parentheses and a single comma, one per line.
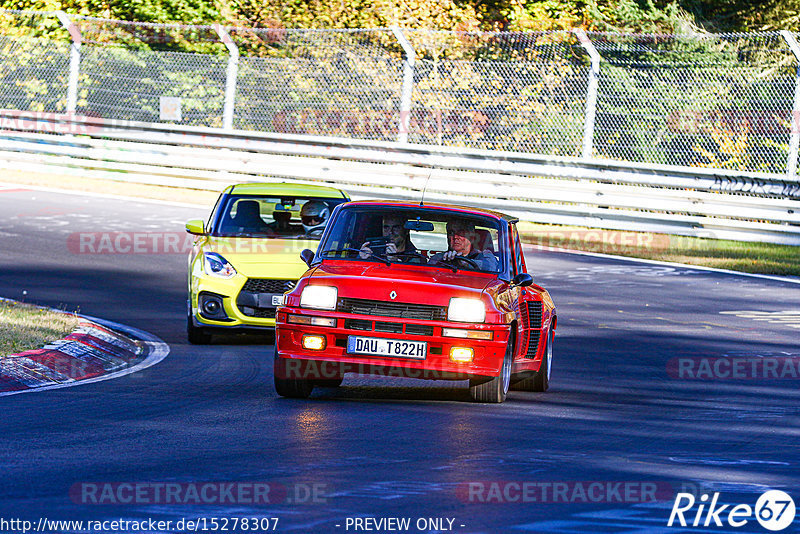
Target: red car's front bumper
(334,360)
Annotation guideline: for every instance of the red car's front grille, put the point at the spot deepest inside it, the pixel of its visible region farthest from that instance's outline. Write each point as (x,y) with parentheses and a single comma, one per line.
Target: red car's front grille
(395,328)
(401,310)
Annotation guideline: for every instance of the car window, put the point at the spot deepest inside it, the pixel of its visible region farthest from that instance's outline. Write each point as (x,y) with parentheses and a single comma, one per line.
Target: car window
(274,217)
(210,222)
(436,240)
(380,234)
(519,258)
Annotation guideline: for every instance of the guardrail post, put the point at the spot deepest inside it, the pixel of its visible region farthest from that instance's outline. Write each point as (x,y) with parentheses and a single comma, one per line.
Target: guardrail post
(408,84)
(591,93)
(74,60)
(794,138)
(231,75)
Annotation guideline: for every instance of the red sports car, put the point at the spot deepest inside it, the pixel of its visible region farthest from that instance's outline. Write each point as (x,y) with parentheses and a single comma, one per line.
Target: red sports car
(421,291)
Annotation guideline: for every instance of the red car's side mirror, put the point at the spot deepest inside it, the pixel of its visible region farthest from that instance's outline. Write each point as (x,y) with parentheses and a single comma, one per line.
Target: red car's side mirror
(522,280)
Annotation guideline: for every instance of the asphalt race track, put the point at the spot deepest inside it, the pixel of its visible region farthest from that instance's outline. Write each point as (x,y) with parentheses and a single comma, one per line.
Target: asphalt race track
(617,412)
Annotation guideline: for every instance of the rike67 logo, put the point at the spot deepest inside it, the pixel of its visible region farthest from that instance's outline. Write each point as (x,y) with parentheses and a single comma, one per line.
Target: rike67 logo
(774,510)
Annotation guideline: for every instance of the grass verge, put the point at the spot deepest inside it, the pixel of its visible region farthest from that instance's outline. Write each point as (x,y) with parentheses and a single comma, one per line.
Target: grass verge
(760,258)
(24,327)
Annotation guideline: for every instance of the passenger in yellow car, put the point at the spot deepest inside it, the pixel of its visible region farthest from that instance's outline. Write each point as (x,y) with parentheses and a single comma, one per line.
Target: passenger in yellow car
(248,218)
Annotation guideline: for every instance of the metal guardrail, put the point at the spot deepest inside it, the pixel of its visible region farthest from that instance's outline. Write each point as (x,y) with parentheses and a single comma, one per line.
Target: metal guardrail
(557,190)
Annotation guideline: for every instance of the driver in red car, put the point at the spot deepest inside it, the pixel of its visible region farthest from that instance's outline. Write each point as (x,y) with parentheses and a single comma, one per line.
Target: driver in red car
(397,239)
(462,237)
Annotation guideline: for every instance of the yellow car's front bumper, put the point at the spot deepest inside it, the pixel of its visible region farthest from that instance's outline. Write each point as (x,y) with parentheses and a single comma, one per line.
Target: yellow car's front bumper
(245,299)
(229,291)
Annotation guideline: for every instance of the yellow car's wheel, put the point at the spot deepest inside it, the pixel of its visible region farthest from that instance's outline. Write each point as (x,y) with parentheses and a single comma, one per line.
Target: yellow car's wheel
(197,335)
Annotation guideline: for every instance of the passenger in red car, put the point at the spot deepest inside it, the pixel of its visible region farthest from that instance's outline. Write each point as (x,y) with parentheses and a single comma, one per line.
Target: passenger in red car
(399,239)
(462,237)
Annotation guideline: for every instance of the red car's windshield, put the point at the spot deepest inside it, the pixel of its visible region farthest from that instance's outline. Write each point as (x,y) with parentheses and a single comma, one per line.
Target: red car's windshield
(435,237)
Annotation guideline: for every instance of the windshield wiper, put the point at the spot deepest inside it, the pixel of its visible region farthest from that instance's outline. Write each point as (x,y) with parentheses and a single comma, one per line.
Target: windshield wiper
(249,234)
(358,251)
(442,263)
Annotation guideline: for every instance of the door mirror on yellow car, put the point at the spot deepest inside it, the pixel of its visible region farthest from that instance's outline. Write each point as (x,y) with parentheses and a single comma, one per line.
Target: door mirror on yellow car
(307,256)
(522,280)
(195,226)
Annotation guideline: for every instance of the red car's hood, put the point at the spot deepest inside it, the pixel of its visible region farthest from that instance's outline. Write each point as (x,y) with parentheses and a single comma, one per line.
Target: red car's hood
(413,284)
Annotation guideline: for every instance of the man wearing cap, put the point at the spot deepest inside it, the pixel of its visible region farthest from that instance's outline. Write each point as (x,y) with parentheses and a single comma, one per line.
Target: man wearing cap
(461,236)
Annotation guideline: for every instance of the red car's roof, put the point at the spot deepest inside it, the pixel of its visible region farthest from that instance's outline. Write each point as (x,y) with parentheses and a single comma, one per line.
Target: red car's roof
(434,205)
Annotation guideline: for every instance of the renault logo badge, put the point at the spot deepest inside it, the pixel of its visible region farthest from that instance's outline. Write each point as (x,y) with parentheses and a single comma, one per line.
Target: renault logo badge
(393,295)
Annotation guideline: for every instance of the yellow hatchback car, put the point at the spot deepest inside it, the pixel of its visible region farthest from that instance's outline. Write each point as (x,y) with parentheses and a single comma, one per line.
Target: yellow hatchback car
(248,254)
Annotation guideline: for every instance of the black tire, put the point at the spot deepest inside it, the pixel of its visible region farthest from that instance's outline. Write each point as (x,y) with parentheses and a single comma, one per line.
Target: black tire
(196,334)
(329,382)
(495,389)
(541,380)
(294,388)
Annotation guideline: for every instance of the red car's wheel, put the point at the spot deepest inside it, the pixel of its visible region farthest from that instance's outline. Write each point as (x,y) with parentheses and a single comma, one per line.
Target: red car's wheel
(495,389)
(329,382)
(296,388)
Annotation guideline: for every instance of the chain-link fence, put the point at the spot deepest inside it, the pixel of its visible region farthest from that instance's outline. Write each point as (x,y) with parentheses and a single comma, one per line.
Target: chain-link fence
(719,101)
(332,83)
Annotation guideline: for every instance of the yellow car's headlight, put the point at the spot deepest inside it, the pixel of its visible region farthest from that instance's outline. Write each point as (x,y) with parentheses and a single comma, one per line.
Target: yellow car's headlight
(466,310)
(216,265)
(319,297)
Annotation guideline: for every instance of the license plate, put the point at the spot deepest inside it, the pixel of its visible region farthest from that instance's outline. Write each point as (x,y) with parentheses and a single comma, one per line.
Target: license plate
(393,348)
(277,300)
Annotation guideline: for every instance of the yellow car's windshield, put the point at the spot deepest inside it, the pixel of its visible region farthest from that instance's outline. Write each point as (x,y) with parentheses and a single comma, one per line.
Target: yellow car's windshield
(273,217)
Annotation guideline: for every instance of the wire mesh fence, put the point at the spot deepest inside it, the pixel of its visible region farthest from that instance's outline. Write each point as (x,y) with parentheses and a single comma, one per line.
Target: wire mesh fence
(521,92)
(722,101)
(333,83)
(717,101)
(129,84)
(34,74)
